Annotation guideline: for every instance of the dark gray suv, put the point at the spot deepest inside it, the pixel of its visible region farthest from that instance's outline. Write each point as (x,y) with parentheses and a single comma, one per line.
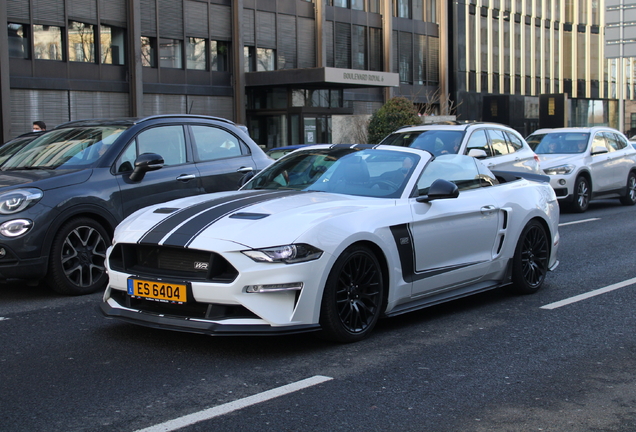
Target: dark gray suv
(62,194)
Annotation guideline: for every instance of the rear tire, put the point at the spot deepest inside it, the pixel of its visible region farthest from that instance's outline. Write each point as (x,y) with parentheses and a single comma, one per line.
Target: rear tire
(582,194)
(630,197)
(530,262)
(353,296)
(77,264)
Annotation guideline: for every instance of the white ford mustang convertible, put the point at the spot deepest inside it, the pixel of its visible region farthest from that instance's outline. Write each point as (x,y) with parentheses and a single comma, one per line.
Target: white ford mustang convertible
(331,238)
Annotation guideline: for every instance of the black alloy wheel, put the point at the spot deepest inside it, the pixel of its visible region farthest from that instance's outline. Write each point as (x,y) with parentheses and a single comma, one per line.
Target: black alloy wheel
(530,262)
(630,196)
(353,296)
(77,263)
(582,193)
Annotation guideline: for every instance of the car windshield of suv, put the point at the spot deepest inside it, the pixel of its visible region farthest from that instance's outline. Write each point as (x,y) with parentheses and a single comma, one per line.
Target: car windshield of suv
(70,148)
(372,173)
(559,142)
(438,142)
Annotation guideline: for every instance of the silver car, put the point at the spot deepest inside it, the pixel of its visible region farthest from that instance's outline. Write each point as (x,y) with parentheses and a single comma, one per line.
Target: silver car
(587,163)
(499,147)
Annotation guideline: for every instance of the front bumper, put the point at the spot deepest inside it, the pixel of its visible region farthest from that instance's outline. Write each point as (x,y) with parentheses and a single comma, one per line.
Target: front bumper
(111,309)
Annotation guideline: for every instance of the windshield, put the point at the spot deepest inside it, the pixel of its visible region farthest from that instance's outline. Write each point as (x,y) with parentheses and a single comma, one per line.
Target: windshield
(369,172)
(65,148)
(559,142)
(438,142)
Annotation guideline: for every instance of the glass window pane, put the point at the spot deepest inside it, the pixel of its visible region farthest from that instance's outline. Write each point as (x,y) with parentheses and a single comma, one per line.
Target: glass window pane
(47,41)
(148,51)
(214,143)
(219,53)
(81,42)
(170,53)
(167,141)
(18,41)
(358,47)
(196,54)
(265,59)
(112,41)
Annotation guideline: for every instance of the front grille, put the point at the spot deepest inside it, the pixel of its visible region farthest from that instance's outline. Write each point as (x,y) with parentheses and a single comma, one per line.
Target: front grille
(191,309)
(171,262)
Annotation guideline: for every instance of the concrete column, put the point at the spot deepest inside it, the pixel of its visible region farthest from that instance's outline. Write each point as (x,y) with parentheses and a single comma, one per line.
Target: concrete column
(135,68)
(5,87)
(238,66)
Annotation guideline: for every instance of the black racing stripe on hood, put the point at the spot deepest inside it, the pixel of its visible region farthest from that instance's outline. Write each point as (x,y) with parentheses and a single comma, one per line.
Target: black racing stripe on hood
(161,229)
(186,233)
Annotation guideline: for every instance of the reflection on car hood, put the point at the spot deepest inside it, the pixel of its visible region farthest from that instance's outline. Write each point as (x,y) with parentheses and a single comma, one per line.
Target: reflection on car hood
(251,218)
(43,179)
(550,160)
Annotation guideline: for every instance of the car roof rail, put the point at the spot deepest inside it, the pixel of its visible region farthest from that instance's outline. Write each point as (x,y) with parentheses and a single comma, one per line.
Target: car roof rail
(190,116)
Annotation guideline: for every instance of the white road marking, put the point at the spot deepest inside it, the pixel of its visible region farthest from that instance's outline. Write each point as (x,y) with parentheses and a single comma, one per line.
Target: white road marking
(579,221)
(216,411)
(589,294)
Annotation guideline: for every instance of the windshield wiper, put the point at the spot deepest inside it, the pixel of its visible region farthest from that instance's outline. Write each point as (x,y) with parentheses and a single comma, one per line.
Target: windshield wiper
(30,168)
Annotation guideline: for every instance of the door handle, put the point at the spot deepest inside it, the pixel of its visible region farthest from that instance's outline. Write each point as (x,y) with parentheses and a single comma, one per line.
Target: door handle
(186,177)
(489,209)
(245,169)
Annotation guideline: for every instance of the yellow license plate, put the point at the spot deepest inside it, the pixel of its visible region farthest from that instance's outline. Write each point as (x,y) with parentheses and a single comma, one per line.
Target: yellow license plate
(158,290)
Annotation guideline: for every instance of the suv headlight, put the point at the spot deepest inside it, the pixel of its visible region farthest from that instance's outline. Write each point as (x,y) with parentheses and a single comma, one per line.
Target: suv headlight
(287,254)
(559,170)
(17,200)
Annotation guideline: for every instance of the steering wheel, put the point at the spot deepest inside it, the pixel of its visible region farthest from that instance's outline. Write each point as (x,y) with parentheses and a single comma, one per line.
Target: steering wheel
(385,184)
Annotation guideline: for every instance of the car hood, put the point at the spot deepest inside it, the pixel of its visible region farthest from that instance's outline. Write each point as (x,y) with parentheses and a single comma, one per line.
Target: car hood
(43,179)
(551,160)
(250,218)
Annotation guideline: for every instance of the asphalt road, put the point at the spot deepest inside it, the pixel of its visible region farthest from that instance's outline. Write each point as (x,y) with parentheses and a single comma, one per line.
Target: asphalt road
(492,362)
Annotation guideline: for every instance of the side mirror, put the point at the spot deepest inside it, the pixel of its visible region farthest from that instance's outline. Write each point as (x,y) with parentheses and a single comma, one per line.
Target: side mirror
(599,150)
(247,175)
(477,153)
(145,162)
(440,189)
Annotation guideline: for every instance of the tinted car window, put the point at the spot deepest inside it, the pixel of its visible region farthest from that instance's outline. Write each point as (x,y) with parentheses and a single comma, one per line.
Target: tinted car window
(478,140)
(611,140)
(65,148)
(514,141)
(498,142)
(212,143)
(457,169)
(434,141)
(167,141)
(621,141)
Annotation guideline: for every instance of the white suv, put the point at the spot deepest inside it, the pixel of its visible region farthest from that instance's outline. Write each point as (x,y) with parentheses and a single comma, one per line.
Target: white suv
(586,163)
(500,147)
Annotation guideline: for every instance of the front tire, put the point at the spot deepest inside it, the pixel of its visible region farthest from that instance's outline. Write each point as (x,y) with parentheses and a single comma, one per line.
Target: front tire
(353,296)
(582,194)
(530,262)
(77,264)
(630,197)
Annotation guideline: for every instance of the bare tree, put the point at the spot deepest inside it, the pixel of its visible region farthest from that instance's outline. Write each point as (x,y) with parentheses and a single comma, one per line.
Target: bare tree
(435,103)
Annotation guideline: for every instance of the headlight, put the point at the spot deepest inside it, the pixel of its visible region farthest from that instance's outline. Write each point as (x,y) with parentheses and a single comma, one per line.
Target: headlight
(287,254)
(559,170)
(18,200)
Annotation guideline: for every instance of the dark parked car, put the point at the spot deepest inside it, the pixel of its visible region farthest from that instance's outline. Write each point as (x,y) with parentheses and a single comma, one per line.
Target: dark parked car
(62,194)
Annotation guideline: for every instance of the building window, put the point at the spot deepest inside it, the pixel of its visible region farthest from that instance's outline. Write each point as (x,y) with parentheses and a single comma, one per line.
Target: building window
(113,42)
(403,9)
(47,42)
(249,54)
(196,53)
(265,59)
(170,53)
(148,52)
(633,121)
(359,47)
(349,4)
(18,41)
(219,54)
(375,49)
(81,42)
(405,57)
